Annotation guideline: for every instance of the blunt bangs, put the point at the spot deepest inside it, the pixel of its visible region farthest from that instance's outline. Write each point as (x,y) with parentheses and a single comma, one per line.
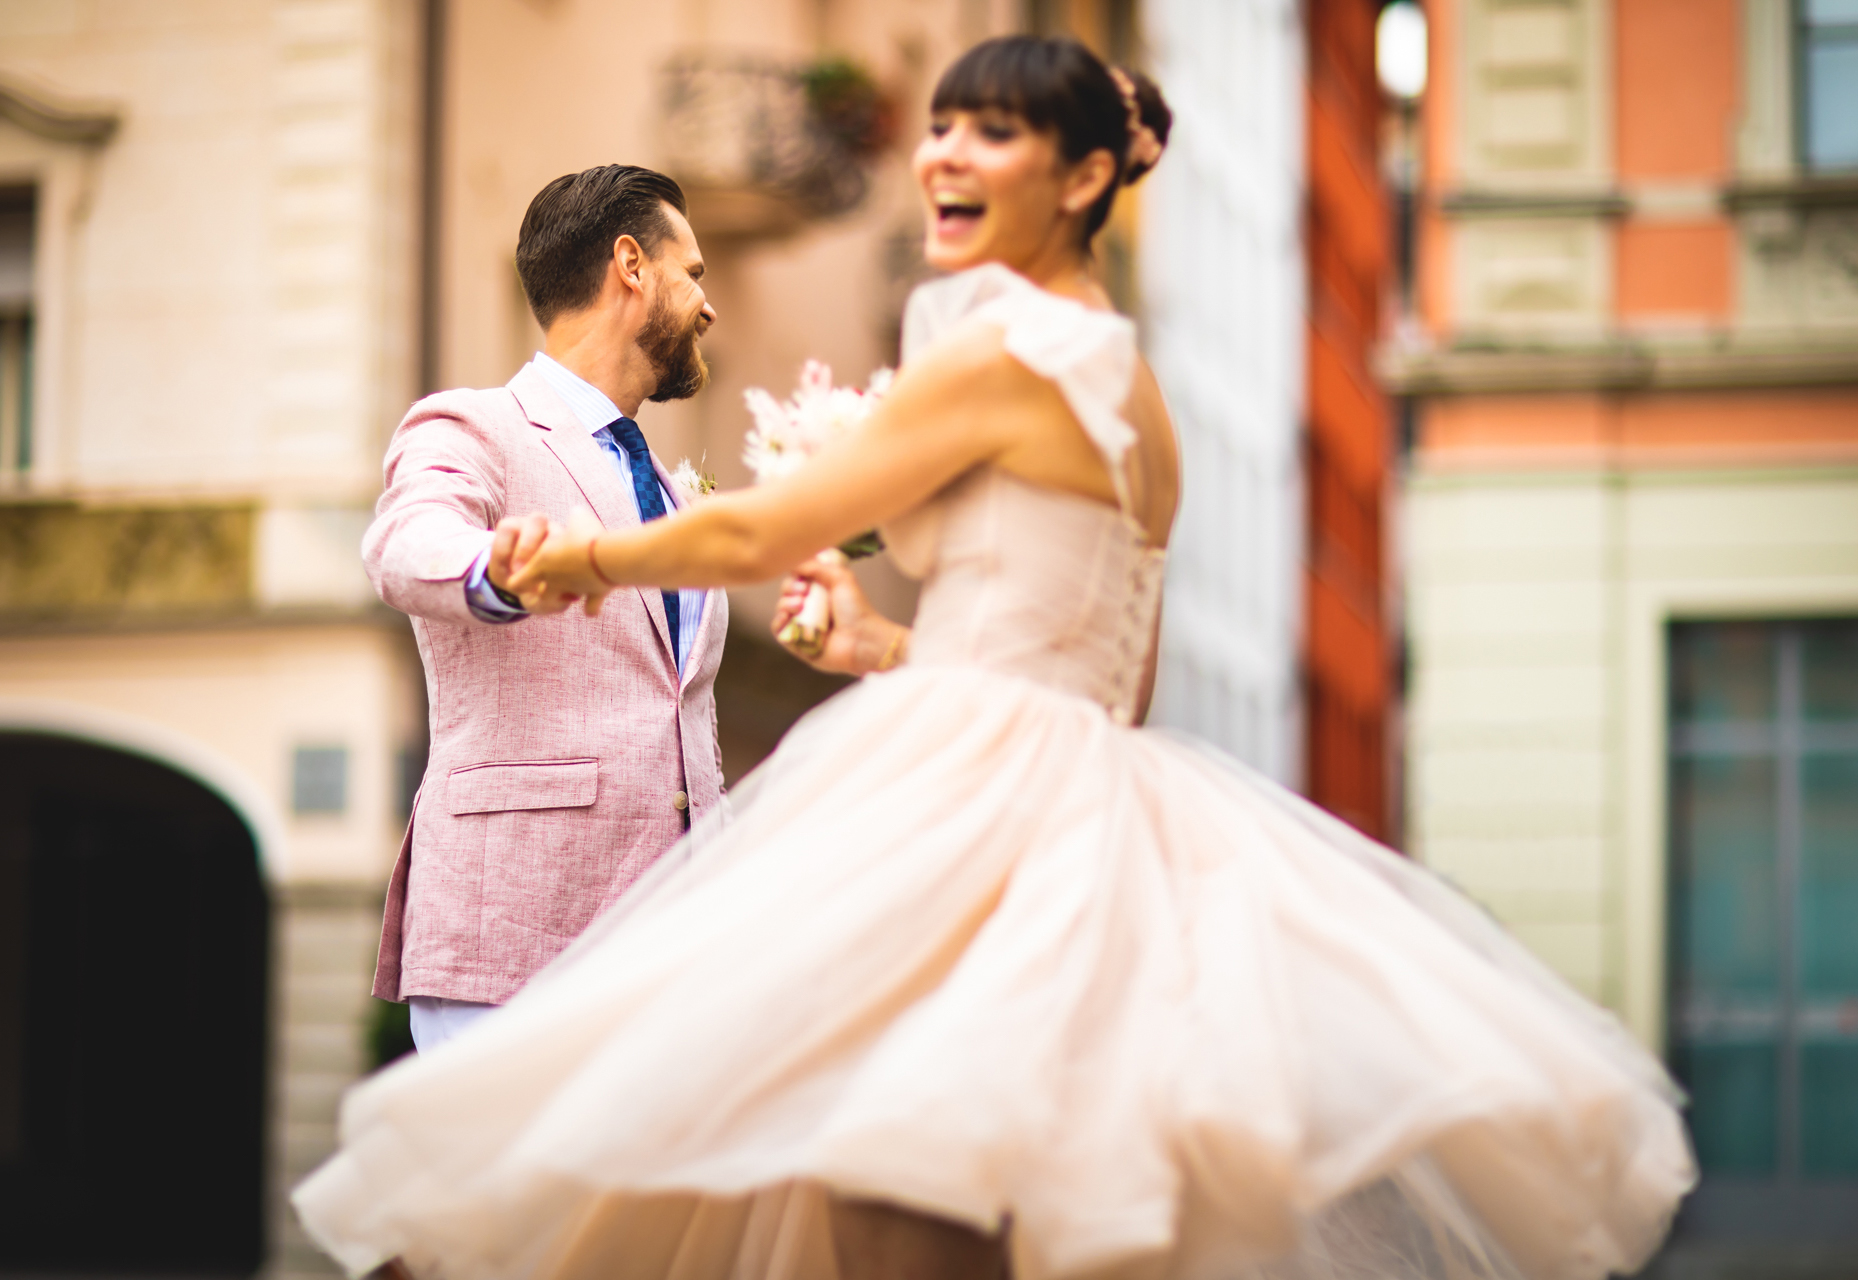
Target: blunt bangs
(1038,81)
(1061,88)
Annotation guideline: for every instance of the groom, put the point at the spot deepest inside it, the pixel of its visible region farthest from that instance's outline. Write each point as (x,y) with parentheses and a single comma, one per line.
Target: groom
(568,752)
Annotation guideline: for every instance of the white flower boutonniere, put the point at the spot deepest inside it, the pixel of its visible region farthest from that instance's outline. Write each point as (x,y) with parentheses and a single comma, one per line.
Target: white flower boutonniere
(693,484)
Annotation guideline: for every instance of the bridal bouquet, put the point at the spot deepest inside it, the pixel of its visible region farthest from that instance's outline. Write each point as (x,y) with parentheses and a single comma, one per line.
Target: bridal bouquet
(784,436)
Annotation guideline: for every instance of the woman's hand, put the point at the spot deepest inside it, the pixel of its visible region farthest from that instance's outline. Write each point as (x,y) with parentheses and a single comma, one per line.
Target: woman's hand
(859,639)
(560,572)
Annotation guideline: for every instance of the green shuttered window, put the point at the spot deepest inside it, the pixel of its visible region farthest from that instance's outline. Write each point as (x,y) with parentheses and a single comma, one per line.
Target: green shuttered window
(1764,896)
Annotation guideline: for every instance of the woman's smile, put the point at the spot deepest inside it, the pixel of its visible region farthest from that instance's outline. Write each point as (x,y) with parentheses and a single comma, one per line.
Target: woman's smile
(991,186)
(957,215)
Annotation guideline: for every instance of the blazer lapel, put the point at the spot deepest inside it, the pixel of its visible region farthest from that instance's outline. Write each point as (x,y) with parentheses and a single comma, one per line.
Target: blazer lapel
(591,470)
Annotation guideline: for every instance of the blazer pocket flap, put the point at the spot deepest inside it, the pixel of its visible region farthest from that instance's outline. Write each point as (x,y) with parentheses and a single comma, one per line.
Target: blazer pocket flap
(522,784)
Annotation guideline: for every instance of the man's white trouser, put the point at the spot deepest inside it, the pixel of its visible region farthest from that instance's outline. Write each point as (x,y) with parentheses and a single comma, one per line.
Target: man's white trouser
(436,1019)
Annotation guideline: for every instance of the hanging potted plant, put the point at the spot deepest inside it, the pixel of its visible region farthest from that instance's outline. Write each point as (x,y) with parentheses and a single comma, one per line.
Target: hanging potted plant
(846,105)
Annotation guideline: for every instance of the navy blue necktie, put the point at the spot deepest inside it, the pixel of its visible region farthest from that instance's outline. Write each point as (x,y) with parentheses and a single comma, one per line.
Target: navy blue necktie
(624,437)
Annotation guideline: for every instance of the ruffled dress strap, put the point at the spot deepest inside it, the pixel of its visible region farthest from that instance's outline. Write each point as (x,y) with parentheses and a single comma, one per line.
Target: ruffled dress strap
(1090,356)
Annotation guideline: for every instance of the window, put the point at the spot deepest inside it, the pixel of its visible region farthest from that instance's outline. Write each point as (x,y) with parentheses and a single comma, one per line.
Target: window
(1763,895)
(411,776)
(1828,71)
(17,216)
(319,780)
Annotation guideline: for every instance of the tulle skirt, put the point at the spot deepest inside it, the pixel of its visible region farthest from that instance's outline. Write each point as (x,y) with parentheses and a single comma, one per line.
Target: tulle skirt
(965,945)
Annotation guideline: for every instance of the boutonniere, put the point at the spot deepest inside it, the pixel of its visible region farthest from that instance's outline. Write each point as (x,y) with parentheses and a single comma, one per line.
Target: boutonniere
(693,483)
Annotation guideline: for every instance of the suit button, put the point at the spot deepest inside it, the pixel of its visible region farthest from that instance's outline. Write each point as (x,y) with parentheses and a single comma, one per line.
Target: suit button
(680,802)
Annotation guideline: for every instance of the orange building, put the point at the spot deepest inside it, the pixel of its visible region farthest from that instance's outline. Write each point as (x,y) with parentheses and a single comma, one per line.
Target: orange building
(1346,666)
(1630,546)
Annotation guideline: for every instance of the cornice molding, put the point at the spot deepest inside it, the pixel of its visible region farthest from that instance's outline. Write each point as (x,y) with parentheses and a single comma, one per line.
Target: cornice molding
(1793,193)
(1622,365)
(1534,204)
(56,122)
(1829,191)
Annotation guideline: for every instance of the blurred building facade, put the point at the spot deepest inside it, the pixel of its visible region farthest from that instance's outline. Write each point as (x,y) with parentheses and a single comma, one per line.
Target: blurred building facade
(1631,547)
(210,327)
(1222,298)
(1264,256)
(1347,439)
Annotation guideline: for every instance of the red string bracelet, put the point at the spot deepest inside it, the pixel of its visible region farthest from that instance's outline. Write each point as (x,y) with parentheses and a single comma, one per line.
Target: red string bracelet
(593,563)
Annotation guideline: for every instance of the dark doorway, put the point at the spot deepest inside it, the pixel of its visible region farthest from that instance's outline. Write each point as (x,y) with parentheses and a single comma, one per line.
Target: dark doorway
(133,977)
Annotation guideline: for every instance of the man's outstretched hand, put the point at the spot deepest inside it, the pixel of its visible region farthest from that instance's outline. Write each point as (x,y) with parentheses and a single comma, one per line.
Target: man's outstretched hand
(550,565)
(516,541)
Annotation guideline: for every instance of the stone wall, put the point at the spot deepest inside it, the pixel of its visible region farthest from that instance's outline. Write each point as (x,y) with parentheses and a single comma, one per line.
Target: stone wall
(325,937)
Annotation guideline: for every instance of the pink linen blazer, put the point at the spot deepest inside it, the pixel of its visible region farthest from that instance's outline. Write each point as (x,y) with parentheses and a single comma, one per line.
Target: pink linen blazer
(561,747)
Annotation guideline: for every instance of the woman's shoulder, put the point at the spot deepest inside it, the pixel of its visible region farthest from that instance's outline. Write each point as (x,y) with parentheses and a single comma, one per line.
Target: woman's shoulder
(1040,326)
(967,368)
(939,306)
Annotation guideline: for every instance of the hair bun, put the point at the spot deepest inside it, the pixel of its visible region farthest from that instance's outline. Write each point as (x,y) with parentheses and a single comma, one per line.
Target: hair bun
(1156,118)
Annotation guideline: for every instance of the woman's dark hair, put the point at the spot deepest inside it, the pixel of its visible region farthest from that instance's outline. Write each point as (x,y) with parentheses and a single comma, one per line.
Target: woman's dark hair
(1058,86)
(568,233)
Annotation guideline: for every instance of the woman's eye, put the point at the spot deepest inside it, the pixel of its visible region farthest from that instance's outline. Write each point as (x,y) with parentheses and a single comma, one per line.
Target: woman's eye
(999,132)
(937,128)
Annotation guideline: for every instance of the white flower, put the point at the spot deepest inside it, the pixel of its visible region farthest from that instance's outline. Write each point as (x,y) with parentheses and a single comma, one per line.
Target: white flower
(695,485)
(785,435)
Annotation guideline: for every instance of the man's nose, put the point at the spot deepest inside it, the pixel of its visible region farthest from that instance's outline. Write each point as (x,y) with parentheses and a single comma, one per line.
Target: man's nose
(709,315)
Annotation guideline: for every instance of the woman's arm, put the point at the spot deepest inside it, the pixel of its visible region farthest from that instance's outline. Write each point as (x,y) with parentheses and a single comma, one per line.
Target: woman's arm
(962,405)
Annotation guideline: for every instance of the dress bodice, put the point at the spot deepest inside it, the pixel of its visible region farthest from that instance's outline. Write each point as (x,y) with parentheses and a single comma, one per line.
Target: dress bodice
(1031,582)
(1051,586)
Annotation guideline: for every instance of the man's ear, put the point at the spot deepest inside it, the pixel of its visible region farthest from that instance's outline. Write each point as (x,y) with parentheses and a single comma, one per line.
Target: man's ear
(629,260)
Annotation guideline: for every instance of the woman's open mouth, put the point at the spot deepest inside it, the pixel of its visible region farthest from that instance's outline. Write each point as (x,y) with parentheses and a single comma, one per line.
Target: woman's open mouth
(957,213)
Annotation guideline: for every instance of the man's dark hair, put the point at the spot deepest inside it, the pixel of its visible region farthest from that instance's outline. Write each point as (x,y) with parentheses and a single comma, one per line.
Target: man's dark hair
(567,236)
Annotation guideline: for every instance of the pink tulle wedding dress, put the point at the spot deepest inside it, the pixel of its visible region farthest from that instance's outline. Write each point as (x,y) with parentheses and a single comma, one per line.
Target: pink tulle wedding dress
(970,943)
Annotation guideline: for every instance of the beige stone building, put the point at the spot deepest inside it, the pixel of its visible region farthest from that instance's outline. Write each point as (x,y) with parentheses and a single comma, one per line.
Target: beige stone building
(210,292)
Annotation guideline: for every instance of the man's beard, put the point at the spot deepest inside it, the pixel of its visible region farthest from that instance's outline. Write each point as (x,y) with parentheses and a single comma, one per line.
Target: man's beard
(673,354)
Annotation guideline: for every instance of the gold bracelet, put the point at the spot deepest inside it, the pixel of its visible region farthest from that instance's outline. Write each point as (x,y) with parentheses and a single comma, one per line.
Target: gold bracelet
(593,562)
(892,654)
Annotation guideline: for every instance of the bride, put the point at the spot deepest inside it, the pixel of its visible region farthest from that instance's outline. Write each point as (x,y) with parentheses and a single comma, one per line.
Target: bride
(976,978)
